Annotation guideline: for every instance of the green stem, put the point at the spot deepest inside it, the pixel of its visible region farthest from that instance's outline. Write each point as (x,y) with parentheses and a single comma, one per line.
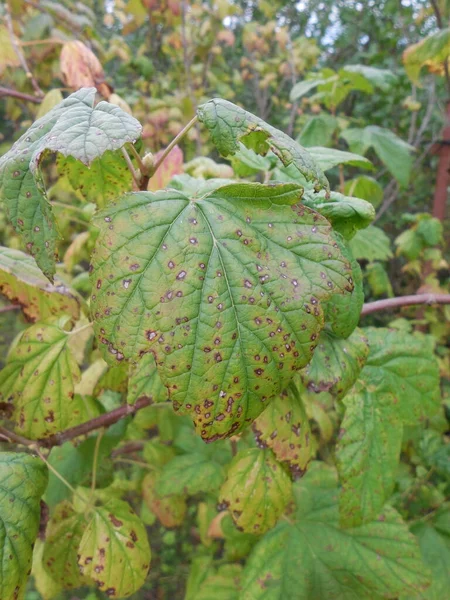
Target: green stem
(95,463)
(174,142)
(57,473)
(68,207)
(138,158)
(132,170)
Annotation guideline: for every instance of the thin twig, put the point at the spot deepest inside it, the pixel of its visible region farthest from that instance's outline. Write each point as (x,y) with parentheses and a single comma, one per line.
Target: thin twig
(57,439)
(390,303)
(10,436)
(174,142)
(9,307)
(18,51)
(20,95)
(138,158)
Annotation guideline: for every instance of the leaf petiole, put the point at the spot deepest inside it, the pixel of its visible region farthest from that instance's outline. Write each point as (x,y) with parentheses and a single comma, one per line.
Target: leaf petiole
(174,142)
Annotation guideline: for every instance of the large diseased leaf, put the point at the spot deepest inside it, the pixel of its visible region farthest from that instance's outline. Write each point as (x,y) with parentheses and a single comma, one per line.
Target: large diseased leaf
(224,290)
(311,557)
(336,363)
(23,283)
(23,480)
(284,427)
(39,379)
(114,550)
(368,454)
(229,124)
(256,491)
(74,128)
(403,365)
(62,539)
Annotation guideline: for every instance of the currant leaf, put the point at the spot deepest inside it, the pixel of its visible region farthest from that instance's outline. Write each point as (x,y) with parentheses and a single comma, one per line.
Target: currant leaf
(225,291)
(23,481)
(229,124)
(74,128)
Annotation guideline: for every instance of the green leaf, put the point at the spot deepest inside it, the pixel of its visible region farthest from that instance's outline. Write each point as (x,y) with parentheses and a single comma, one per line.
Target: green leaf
(49,101)
(39,379)
(382,78)
(170,510)
(189,474)
(104,179)
(114,549)
(435,549)
(245,162)
(62,539)
(225,291)
(311,557)
(365,187)
(431,51)
(303,87)
(284,427)
(430,230)
(393,152)
(318,131)
(23,480)
(228,125)
(378,280)
(371,244)
(44,584)
(328,158)
(403,365)
(145,382)
(346,214)
(221,585)
(368,454)
(73,128)
(336,363)
(342,313)
(256,491)
(23,283)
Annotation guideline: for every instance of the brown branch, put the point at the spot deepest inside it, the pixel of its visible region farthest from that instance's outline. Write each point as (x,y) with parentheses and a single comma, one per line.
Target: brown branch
(390,303)
(10,436)
(21,96)
(57,439)
(109,418)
